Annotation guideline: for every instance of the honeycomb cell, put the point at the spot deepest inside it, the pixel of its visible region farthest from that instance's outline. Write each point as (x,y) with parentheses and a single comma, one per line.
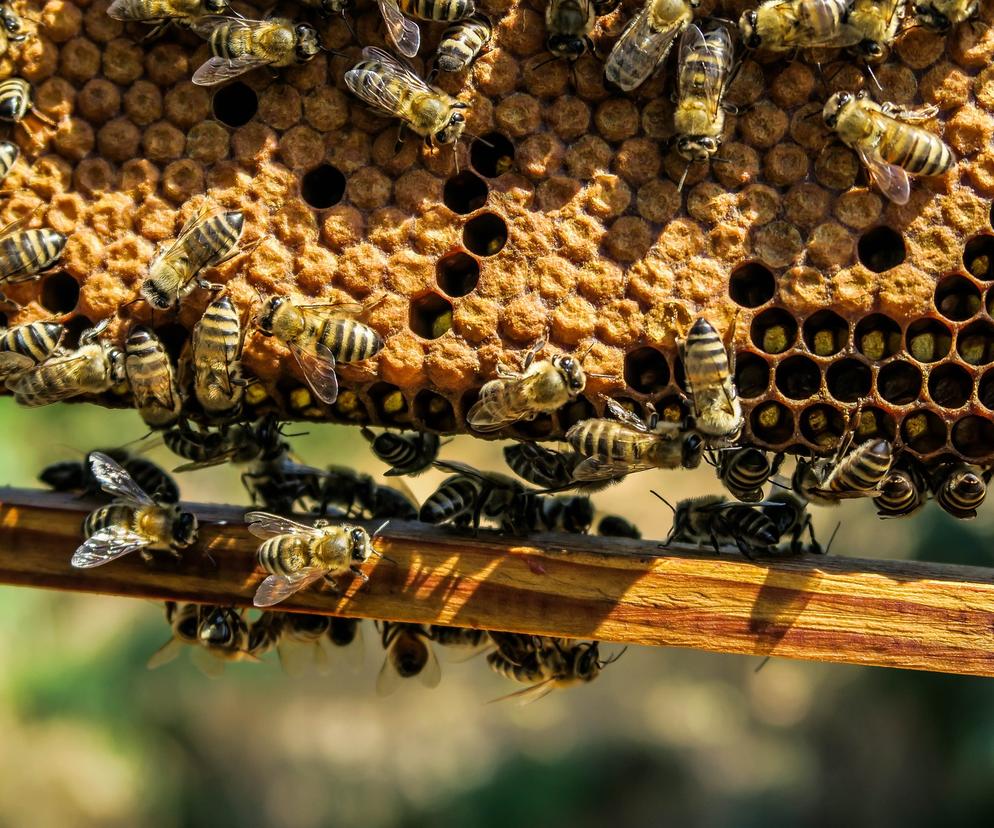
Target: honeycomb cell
(874,422)
(389,404)
(646,370)
(235,104)
(485,234)
(574,412)
(773,331)
(435,411)
(878,336)
(59,293)
(752,375)
(949,385)
(465,193)
(822,425)
(924,432)
(798,377)
(73,329)
(985,390)
(928,340)
(492,154)
(457,273)
(751,284)
(322,187)
(973,436)
(848,380)
(881,248)
(430,315)
(825,333)
(978,255)
(899,382)
(957,298)
(975,343)
(772,423)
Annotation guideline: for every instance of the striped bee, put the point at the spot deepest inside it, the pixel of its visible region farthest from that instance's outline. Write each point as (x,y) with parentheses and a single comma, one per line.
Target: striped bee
(206,240)
(846,474)
(216,351)
(404,34)
(461,43)
(24,346)
(541,466)
(406,454)
(152,380)
(959,488)
(715,520)
(319,340)
(26,254)
(409,654)
(9,153)
(163,12)
(791,519)
(456,636)
(903,491)
(217,634)
(941,15)
(709,368)
(265,632)
(16,100)
(11,25)
(357,494)
(240,45)
(549,664)
(236,443)
(615,526)
(468,495)
(744,471)
(646,41)
(790,25)
(77,476)
(568,24)
(887,142)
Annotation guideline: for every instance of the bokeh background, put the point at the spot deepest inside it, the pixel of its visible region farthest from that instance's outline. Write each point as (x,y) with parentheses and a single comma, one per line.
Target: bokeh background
(664,737)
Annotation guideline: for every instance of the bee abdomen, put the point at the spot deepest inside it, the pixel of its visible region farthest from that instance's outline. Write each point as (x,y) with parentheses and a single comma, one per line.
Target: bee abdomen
(15,99)
(603,439)
(283,555)
(454,497)
(864,469)
(26,253)
(35,339)
(348,340)
(215,237)
(705,355)
(753,526)
(747,470)
(916,150)
(8,155)
(105,517)
(443,10)
(962,492)
(899,495)
(522,673)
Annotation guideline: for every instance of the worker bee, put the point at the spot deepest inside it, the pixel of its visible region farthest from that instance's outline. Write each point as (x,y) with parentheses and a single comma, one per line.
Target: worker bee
(90,369)
(132,522)
(240,45)
(25,346)
(941,15)
(296,555)
(319,340)
(469,495)
(959,488)
(406,454)
(717,520)
(205,241)
(16,100)
(11,23)
(791,519)
(903,491)
(279,484)
(568,24)
(26,254)
(846,474)
(216,345)
(404,34)
(886,141)
(77,476)
(699,117)
(565,513)
(744,471)
(789,25)
(710,368)
(457,636)
(409,654)
(646,41)
(391,87)
(265,632)
(152,380)
(184,622)
(551,664)
(304,646)
(615,526)
(876,23)
(9,152)
(218,634)
(462,42)
(358,495)
(541,466)
(163,12)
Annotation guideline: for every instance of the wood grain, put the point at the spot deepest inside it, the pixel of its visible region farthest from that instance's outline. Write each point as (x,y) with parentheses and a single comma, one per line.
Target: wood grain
(886,613)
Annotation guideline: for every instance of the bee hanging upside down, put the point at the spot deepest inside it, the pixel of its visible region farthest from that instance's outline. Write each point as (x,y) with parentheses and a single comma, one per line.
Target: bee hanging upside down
(409,654)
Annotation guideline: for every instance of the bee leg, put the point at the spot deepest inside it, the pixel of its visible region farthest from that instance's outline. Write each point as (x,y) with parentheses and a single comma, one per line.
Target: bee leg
(332,585)
(362,576)
(746,550)
(400,140)
(5,301)
(714,542)
(212,287)
(156,32)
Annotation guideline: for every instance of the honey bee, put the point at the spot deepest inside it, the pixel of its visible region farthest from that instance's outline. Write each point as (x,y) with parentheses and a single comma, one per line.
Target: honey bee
(239,45)
(846,474)
(409,654)
(541,466)
(569,24)
(216,345)
(789,25)
(184,621)
(716,520)
(265,632)
(791,519)
(903,491)
(615,526)
(319,340)
(133,522)
(152,380)
(9,152)
(542,386)
(205,241)
(25,346)
(391,87)
(11,24)
(646,41)
(744,471)
(884,138)
(959,488)
(551,664)
(710,368)
(26,254)
(462,42)
(218,634)
(163,12)
(77,476)
(876,23)
(941,15)
(304,646)
(357,494)
(237,443)
(91,369)
(278,483)
(296,555)
(699,118)
(468,495)
(16,100)
(456,636)
(406,454)
(404,34)
(628,444)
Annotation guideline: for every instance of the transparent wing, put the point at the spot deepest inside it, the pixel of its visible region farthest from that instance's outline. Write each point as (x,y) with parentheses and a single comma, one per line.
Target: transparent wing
(388,679)
(165,654)
(159,393)
(531,694)
(208,663)
(318,368)
(70,367)
(105,546)
(302,658)
(12,364)
(116,481)
(488,414)
(593,469)
(706,77)
(403,33)
(265,525)
(216,460)
(218,70)
(891,179)
(805,24)
(639,51)
(352,655)
(623,415)
(431,675)
(384,96)
(278,588)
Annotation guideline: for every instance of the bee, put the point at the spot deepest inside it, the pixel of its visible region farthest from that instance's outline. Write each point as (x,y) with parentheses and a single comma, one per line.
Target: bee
(409,654)
(699,118)
(615,526)
(184,621)
(389,86)
(903,491)
(24,346)
(9,152)
(542,386)
(132,522)
(318,340)
(717,520)
(469,495)
(16,100)
(791,519)
(406,454)
(77,476)
(304,646)
(26,254)
(152,380)
(462,42)
(789,25)
(456,636)
(569,24)
(216,345)
(887,142)
(237,443)
(279,484)
(941,15)
(404,34)
(541,466)
(646,41)
(959,488)
(552,664)
(846,474)
(219,634)
(91,369)
(744,471)
(206,240)
(224,633)
(876,23)
(240,45)
(296,555)
(628,444)
(358,494)
(11,23)
(163,12)
(573,513)
(710,368)
(265,632)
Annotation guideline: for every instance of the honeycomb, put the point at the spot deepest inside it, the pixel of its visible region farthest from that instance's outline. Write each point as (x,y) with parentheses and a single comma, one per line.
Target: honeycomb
(561,218)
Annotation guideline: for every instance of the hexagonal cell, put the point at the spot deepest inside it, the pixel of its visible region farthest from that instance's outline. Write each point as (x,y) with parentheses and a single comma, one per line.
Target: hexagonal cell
(538,429)
(492,154)
(985,390)
(923,431)
(928,340)
(825,333)
(235,105)
(74,328)
(881,249)
(978,257)
(485,234)
(646,370)
(975,343)
(848,380)
(798,377)
(752,374)
(349,407)
(430,315)
(899,382)
(773,331)
(573,413)
(389,403)
(878,336)
(173,337)
(322,187)
(435,411)
(823,425)
(751,284)
(465,193)
(673,409)
(875,422)
(772,423)
(973,437)
(457,273)
(59,293)
(957,298)
(949,385)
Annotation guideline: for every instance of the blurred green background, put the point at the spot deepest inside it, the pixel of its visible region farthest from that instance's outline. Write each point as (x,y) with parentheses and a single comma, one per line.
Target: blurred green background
(663,737)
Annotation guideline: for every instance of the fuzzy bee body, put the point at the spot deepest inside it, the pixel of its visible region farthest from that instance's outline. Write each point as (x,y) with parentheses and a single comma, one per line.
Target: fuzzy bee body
(744,471)
(265,632)
(462,42)
(77,476)
(237,443)
(705,67)
(26,254)
(456,636)
(157,11)
(646,41)
(357,494)
(903,492)
(152,380)
(615,526)
(216,358)
(547,664)
(789,25)
(406,454)
(25,346)
(239,45)
(959,488)
(409,654)
(848,474)
(714,520)
(568,24)
(9,152)
(941,15)
(709,370)
(876,23)
(791,519)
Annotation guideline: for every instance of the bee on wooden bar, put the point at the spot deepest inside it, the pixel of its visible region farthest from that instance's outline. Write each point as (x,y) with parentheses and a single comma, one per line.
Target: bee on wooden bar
(846,474)
(77,476)
(790,25)
(216,351)
(553,664)
(462,42)
(357,494)
(568,24)
(409,654)
(161,13)
(152,380)
(406,454)
(903,491)
(26,254)
(240,45)
(942,15)
(279,484)
(710,369)
(25,346)
(744,471)
(714,520)
(304,646)
(791,519)
(133,522)
(9,152)
(646,41)
(959,488)
(615,526)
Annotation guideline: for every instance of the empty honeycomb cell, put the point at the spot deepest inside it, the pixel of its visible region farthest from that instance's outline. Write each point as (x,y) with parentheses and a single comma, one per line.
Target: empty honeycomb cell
(752,375)
(773,331)
(59,293)
(973,436)
(173,337)
(235,104)
(848,380)
(434,411)
(949,385)
(798,377)
(975,343)
(881,248)
(492,154)
(574,412)
(751,284)
(772,423)
(465,193)
(457,273)
(430,315)
(646,370)
(825,333)
(957,298)
(485,234)
(985,390)
(73,328)
(928,340)
(822,425)
(899,382)
(323,187)
(978,255)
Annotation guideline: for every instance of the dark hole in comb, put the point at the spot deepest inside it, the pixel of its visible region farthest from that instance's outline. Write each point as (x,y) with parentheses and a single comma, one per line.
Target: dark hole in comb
(457,273)
(752,374)
(235,104)
(491,154)
(973,437)
(430,316)
(923,431)
(538,429)
(751,285)
(978,256)
(571,414)
(798,377)
(389,403)
(646,370)
(881,249)
(59,293)
(950,385)
(173,337)
(825,333)
(322,187)
(957,298)
(773,331)
(848,380)
(975,343)
(899,382)
(485,234)
(985,391)
(465,192)
(434,411)
(772,423)
(74,328)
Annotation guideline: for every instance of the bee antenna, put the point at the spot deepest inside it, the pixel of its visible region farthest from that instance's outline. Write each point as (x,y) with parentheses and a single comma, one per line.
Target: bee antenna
(869,70)
(546,62)
(479,138)
(382,526)
(683,178)
(614,658)
(835,531)
(348,23)
(657,494)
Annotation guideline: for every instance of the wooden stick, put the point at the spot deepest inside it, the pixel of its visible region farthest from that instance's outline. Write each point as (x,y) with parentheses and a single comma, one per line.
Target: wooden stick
(887,613)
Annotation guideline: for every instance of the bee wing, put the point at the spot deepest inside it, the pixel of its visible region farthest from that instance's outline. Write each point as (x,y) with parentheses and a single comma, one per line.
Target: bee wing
(891,179)
(278,588)
(115,480)
(107,545)
(12,364)
(265,525)
(71,365)
(159,393)
(384,95)
(216,460)
(639,51)
(120,10)
(623,415)
(218,70)
(351,655)
(166,653)
(431,674)
(487,413)
(593,469)
(714,70)
(801,19)
(302,658)
(403,33)
(318,368)
(528,695)
(207,662)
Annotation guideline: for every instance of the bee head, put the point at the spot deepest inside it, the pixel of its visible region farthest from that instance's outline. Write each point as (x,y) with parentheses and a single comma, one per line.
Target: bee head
(359,541)
(696,148)
(308,41)
(870,50)
(184,529)
(216,629)
(11,22)
(215,6)
(567,46)
(834,106)
(268,313)
(930,17)
(572,371)
(586,662)
(693,450)
(118,374)
(453,128)
(747,26)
